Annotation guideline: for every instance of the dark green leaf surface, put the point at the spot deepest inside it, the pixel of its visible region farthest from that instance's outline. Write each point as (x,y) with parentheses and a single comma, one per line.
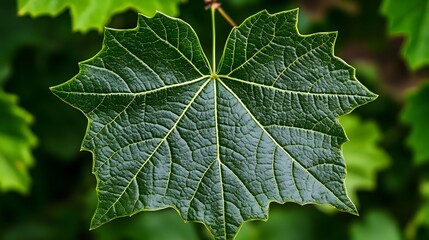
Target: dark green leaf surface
(94,14)
(410,18)
(16,142)
(218,146)
(415,114)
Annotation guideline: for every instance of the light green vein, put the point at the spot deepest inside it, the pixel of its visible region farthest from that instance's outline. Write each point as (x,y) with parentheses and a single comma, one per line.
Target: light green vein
(134,94)
(178,50)
(296,60)
(218,156)
(277,144)
(138,59)
(157,147)
(110,72)
(253,56)
(294,91)
(198,186)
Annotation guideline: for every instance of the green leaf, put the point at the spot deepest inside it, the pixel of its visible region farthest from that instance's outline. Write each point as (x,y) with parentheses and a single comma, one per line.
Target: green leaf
(166,130)
(363,156)
(291,223)
(375,225)
(16,141)
(150,225)
(410,18)
(415,114)
(421,218)
(94,14)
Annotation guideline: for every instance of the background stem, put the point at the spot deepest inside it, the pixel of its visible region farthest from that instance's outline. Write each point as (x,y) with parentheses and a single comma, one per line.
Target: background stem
(213,9)
(227,17)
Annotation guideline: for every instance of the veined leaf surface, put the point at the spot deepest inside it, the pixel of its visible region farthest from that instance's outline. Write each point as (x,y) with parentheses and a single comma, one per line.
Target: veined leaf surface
(166,130)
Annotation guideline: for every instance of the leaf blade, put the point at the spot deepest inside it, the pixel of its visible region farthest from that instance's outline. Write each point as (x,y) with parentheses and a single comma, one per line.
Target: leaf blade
(218,148)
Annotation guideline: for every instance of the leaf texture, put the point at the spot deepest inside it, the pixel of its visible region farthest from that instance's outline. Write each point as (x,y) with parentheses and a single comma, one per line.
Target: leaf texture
(166,130)
(16,142)
(410,18)
(94,14)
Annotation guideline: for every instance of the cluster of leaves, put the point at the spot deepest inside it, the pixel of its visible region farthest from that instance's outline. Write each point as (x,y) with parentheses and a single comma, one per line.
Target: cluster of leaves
(16,138)
(94,14)
(410,19)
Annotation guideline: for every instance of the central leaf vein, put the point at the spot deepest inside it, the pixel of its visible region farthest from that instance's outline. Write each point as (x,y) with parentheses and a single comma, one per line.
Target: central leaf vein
(218,156)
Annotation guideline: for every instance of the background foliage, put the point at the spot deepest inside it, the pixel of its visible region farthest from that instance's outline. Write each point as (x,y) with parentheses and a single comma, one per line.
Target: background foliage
(388,158)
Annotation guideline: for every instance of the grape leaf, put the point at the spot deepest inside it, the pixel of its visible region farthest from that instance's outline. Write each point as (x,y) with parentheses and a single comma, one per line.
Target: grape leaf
(16,141)
(94,14)
(410,18)
(415,114)
(363,156)
(167,130)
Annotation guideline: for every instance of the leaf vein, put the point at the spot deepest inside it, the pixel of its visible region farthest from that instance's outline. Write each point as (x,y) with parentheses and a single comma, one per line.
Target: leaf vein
(172,46)
(157,147)
(277,144)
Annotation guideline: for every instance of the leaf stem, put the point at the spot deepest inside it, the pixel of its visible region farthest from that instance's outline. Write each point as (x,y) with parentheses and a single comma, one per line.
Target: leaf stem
(226,16)
(213,10)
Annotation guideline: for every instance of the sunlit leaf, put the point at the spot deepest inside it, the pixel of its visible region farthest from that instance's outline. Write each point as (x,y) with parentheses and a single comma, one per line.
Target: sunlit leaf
(16,141)
(363,155)
(411,19)
(375,225)
(94,14)
(166,130)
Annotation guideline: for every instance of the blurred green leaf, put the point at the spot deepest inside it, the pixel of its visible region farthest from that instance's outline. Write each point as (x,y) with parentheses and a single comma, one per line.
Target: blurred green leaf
(94,14)
(375,225)
(364,157)
(160,225)
(421,219)
(16,141)
(282,225)
(416,113)
(410,18)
